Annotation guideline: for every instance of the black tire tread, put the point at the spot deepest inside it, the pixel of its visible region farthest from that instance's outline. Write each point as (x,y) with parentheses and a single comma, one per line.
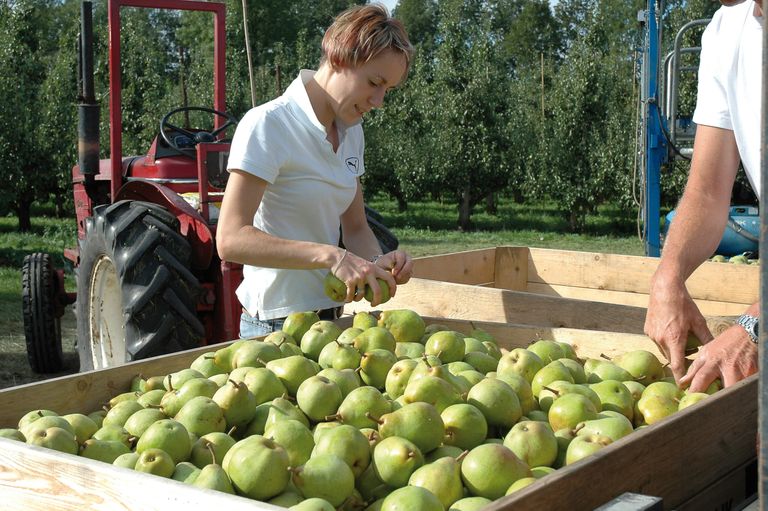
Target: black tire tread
(42,323)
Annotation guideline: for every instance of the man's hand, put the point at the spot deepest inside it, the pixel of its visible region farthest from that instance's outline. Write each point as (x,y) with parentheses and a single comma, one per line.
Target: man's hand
(731,356)
(399,263)
(671,315)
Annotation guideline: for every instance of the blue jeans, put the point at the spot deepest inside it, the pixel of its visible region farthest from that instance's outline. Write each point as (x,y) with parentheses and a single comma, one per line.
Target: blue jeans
(254,327)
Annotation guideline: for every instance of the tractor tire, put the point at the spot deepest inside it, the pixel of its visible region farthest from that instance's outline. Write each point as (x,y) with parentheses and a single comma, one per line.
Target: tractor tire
(42,313)
(136,297)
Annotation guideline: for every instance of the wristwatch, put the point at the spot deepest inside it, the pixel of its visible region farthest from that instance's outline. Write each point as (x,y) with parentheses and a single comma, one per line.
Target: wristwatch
(750,324)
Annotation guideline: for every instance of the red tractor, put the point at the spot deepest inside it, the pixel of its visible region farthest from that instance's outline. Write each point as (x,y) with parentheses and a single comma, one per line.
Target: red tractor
(149,280)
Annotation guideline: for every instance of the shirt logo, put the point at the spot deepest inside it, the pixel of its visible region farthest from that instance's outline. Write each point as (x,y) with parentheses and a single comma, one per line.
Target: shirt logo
(352,164)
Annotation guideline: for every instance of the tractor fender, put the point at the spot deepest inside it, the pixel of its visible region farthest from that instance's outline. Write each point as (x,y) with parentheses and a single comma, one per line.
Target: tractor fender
(193,227)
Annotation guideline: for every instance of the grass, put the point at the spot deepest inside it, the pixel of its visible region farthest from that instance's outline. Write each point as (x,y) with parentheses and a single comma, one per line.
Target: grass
(426,228)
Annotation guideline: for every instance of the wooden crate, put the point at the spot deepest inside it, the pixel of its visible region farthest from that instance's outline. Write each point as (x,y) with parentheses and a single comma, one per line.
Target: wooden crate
(719,289)
(680,459)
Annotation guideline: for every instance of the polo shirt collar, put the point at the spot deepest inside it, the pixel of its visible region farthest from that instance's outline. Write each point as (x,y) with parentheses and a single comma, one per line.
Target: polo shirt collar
(297,93)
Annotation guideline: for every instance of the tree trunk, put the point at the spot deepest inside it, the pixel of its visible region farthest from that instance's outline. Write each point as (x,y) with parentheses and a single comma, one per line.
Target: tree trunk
(490,204)
(465,211)
(23,213)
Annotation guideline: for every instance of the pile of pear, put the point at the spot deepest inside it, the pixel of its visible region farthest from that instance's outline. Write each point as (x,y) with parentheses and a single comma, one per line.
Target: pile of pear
(388,414)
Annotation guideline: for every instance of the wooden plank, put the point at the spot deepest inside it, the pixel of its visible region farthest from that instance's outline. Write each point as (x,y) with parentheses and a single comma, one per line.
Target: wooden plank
(471,267)
(711,281)
(511,268)
(707,307)
(459,301)
(34,478)
(673,459)
(727,493)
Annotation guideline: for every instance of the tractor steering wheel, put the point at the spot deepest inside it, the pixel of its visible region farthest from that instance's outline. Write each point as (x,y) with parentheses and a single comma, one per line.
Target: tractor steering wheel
(194,137)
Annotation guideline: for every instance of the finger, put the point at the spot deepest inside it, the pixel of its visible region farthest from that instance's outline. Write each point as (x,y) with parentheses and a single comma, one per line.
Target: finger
(677,361)
(685,381)
(701,330)
(703,378)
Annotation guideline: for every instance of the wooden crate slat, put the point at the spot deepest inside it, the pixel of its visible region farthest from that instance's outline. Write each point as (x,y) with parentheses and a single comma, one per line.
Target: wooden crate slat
(707,307)
(511,268)
(471,267)
(711,281)
(459,301)
(34,478)
(676,458)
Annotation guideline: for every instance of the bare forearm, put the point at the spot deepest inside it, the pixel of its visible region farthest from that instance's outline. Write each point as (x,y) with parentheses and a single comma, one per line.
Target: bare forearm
(254,247)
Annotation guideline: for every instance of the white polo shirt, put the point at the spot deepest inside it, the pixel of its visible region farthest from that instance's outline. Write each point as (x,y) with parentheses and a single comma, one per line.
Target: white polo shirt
(730,81)
(309,188)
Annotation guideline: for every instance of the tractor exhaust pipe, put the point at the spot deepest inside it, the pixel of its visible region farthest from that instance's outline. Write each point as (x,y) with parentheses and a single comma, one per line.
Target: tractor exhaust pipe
(87,108)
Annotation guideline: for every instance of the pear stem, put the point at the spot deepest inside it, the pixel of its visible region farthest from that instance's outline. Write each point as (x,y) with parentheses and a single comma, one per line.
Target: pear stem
(603,355)
(209,445)
(374,419)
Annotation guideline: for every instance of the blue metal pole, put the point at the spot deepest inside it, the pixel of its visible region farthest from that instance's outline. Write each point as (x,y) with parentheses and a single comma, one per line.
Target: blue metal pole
(656,147)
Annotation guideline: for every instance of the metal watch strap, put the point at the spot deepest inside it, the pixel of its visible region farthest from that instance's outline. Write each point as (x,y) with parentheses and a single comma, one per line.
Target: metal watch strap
(750,324)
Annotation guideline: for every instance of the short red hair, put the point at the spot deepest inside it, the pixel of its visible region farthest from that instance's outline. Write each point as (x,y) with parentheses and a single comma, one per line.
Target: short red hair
(361,33)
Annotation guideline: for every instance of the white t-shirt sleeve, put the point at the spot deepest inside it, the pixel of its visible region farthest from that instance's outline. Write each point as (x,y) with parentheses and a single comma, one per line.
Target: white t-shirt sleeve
(257,147)
(712,100)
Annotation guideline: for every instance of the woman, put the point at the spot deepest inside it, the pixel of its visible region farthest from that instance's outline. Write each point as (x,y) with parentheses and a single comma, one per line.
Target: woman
(295,164)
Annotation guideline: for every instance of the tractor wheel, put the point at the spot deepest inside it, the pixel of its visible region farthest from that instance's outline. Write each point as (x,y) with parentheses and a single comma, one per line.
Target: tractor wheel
(136,296)
(42,313)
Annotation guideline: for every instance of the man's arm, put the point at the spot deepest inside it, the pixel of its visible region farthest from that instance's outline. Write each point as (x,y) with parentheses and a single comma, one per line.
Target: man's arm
(695,233)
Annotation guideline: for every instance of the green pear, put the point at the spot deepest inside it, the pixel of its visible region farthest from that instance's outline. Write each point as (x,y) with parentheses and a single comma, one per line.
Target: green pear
(237,403)
(606,370)
(220,379)
(474,377)
(470,504)
(325,476)
(522,388)
(257,467)
(433,390)
(533,442)
(538,415)
(497,402)
(201,415)
(279,337)
(568,351)
(430,365)
(349,444)
(51,437)
(282,408)
(319,334)
(84,427)
(127,460)
(255,354)
(642,365)
(431,329)
(615,396)
(570,409)
(13,434)
(553,371)
(483,362)
(442,478)
(213,477)
(290,350)
(151,398)
(217,441)
(374,366)
(488,470)
(103,450)
(118,414)
(614,427)
(370,486)
(168,435)
(138,423)
(691,399)
(346,379)
(263,385)
(418,422)
(364,320)
(177,379)
(287,499)
(493,349)
(465,426)
(585,445)
(292,371)
(125,396)
(448,345)
(442,452)
(313,504)
(155,382)
(411,497)
(155,461)
(548,351)
(113,433)
(635,389)
(385,292)
(539,472)
(474,345)
(49,421)
(654,407)
(297,323)
(520,484)
(520,361)
(459,367)
(334,288)
(576,369)
(326,354)
(206,365)
(410,350)
(559,388)
(564,437)
(362,407)
(404,324)
(174,400)
(376,337)
(398,376)
(395,459)
(663,388)
(318,397)
(185,472)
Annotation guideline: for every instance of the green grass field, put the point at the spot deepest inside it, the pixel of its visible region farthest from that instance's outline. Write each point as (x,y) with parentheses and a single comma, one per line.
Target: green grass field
(425,229)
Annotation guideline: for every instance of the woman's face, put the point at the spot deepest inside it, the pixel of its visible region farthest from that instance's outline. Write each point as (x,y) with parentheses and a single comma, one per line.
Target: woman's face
(356,91)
